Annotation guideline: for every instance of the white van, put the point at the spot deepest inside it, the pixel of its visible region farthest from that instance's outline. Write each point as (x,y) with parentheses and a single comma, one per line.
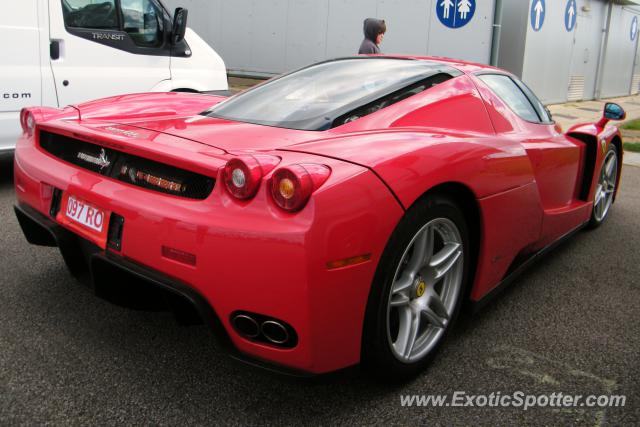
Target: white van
(61,52)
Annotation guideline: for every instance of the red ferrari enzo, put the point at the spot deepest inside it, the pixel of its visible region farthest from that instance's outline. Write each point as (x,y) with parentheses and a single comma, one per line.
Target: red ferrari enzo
(338,214)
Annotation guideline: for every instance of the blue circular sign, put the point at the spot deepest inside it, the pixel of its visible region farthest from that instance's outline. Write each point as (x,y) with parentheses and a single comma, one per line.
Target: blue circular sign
(455,13)
(538,11)
(570,15)
(634,28)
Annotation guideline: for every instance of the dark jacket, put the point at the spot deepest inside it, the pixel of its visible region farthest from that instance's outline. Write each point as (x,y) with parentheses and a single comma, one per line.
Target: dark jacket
(372,27)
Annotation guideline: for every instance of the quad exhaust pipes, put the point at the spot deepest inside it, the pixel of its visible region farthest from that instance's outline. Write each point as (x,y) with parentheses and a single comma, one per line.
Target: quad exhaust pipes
(257,327)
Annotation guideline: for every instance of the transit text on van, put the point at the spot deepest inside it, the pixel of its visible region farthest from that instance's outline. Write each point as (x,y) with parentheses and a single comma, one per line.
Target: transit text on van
(108,36)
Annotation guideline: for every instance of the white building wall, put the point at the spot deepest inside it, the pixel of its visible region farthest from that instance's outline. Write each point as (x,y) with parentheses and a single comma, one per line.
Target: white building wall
(620,54)
(560,65)
(587,46)
(266,37)
(273,36)
(547,55)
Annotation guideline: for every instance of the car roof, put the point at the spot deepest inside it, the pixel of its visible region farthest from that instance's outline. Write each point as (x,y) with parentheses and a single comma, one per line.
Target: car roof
(466,67)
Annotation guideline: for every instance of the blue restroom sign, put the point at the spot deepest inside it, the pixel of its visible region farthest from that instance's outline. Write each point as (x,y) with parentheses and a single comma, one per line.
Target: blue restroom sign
(455,13)
(634,28)
(570,15)
(538,11)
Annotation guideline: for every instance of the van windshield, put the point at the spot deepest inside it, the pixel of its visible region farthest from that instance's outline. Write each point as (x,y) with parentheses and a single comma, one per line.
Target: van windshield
(313,97)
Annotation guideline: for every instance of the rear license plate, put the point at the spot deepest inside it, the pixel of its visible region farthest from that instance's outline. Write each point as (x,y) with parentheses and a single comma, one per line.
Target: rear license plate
(85,214)
(84,219)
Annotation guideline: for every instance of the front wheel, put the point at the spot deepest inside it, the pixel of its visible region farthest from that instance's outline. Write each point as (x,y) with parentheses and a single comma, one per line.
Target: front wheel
(606,187)
(418,289)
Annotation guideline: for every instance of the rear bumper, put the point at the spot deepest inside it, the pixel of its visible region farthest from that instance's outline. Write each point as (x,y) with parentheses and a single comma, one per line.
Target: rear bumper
(247,257)
(91,265)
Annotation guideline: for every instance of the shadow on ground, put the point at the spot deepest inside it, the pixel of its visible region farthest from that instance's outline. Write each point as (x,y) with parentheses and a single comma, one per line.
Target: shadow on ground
(6,172)
(569,324)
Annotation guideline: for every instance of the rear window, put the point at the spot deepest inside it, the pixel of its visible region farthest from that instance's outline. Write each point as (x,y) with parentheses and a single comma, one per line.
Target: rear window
(322,95)
(518,97)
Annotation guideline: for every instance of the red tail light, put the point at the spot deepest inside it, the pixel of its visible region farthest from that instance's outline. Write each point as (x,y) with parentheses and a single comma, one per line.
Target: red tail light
(292,186)
(29,117)
(27,121)
(242,175)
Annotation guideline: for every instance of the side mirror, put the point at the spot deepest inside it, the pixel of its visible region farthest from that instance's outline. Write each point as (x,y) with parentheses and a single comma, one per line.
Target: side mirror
(179,26)
(612,111)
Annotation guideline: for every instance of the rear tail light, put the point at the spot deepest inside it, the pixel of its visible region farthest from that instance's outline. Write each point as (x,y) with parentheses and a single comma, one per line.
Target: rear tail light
(292,186)
(27,121)
(32,115)
(242,175)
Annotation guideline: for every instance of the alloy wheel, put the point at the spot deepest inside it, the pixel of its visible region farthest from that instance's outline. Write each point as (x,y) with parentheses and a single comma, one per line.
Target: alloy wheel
(426,286)
(606,186)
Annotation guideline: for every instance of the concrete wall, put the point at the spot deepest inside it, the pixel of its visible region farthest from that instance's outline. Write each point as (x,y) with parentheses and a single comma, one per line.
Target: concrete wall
(587,44)
(560,65)
(547,55)
(266,37)
(620,55)
(513,36)
(273,36)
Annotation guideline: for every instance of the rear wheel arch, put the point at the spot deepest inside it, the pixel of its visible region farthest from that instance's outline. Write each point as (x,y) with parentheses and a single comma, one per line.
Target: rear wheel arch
(452,201)
(466,198)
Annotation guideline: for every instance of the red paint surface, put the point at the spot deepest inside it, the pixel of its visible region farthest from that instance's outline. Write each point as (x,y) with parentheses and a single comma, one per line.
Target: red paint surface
(253,256)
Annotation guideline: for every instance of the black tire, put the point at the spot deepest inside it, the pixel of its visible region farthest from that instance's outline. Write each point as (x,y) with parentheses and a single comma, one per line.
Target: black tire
(377,356)
(185,90)
(594,221)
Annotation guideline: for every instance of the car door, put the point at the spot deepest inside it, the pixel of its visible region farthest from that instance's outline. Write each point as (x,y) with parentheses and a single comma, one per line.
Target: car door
(554,157)
(19,67)
(107,47)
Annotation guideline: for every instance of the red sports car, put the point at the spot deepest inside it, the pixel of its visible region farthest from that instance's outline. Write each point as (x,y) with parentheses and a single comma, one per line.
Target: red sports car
(338,214)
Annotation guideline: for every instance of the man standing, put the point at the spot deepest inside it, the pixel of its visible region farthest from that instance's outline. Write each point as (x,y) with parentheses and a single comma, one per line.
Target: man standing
(374,30)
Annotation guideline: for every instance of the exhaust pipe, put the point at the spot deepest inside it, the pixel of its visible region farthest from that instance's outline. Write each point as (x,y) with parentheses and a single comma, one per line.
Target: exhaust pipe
(275,332)
(263,329)
(246,325)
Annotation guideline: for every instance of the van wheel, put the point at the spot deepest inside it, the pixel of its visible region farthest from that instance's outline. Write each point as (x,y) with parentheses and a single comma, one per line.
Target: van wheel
(417,290)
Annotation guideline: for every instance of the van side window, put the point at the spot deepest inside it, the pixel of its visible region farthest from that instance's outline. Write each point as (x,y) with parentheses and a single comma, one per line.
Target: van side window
(143,20)
(95,14)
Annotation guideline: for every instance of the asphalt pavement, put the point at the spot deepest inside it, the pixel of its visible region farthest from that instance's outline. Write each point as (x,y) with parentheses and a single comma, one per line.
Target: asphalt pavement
(571,324)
